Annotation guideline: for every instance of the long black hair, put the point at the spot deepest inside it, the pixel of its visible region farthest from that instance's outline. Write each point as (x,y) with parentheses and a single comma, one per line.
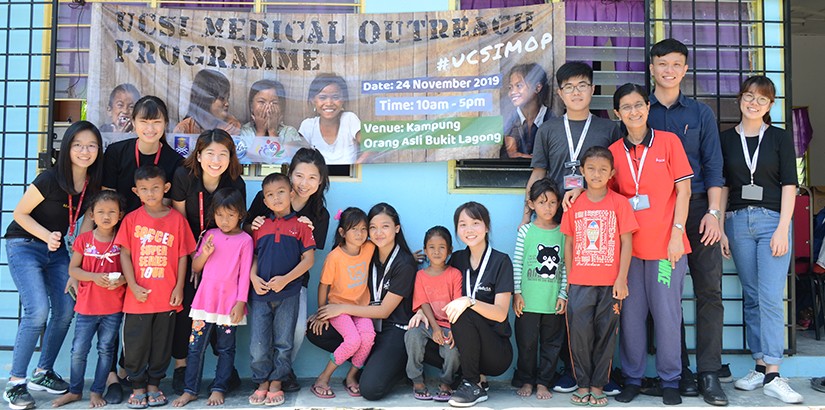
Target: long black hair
(64,161)
(387,209)
(351,217)
(316,201)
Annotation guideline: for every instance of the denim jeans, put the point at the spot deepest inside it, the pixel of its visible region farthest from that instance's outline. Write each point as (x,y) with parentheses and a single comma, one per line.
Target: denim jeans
(271,338)
(198,343)
(300,324)
(40,277)
(763,278)
(107,328)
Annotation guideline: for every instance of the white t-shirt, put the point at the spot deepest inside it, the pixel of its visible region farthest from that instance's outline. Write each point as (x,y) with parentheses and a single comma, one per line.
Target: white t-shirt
(345,148)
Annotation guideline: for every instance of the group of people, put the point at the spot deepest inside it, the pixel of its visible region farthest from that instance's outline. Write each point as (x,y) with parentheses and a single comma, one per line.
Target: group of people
(169,251)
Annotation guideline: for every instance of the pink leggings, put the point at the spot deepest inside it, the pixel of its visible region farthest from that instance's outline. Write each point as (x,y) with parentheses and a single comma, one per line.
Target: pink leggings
(359,336)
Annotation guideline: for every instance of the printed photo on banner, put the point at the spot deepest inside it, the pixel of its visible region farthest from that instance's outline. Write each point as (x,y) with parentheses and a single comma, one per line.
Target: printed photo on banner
(361,88)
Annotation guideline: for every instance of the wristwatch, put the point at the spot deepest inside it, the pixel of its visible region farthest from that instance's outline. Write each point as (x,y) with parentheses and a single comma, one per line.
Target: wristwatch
(715,213)
(680,227)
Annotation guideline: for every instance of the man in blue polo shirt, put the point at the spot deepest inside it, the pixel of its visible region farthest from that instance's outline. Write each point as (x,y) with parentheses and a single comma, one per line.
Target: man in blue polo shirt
(696,126)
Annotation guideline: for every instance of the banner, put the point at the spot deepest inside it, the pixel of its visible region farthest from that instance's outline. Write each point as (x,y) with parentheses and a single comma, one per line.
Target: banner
(362,88)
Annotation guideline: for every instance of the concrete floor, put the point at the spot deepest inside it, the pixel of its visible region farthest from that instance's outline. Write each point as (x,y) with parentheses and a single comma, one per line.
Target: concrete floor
(502,396)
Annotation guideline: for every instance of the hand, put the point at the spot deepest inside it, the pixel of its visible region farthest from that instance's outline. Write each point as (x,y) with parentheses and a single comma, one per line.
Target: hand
(277,283)
(306,221)
(195,278)
(438,336)
(208,246)
(102,280)
(675,247)
(561,306)
(177,296)
(419,256)
(448,339)
(237,312)
(71,284)
(121,280)
(141,293)
(330,311)
(318,326)
(710,230)
(518,304)
(455,308)
(725,245)
(260,286)
(570,198)
(417,319)
(257,222)
(54,241)
(779,242)
(620,289)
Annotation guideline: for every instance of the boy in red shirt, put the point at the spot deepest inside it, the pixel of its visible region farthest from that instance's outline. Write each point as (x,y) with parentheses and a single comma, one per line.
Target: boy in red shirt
(598,231)
(155,241)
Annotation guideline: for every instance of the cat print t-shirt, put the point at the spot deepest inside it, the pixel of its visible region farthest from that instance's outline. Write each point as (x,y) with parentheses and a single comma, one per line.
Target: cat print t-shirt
(538,268)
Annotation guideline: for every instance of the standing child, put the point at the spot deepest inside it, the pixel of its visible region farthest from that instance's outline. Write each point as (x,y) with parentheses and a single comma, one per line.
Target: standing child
(344,280)
(154,241)
(95,264)
(225,258)
(435,287)
(598,231)
(284,250)
(540,299)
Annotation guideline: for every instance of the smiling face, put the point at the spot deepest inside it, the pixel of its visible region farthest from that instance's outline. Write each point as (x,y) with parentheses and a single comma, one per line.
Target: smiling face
(576,93)
(329,103)
(545,206)
(120,111)
(355,236)
(306,179)
(520,92)
(633,111)
(471,231)
(214,159)
(227,219)
(84,149)
(277,197)
(757,107)
(437,250)
(150,130)
(383,230)
(669,70)
(106,214)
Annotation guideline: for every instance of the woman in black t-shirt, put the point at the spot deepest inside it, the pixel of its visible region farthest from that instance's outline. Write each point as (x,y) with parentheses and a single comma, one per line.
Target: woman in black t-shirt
(212,165)
(39,260)
(479,318)
(391,279)
(760,193)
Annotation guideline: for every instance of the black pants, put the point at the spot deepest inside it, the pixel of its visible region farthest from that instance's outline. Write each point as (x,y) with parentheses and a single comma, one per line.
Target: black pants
(147,347)
(386,365)
(705,268)
(483,345)
(183,324)
(538,336)
(593,323)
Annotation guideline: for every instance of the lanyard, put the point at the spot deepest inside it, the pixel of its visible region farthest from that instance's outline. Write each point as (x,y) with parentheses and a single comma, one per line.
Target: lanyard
(574,153)
(637,177)
(472,294)
(378,286)
(73,218)
(137,154)
(200,208)
(751,162)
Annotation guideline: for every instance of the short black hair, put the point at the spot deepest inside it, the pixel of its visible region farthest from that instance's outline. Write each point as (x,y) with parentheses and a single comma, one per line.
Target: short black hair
(276,177)
(573,69)
(626,90)
(146,172)
(597,151)
(667,46)
(108,195)
(229,198)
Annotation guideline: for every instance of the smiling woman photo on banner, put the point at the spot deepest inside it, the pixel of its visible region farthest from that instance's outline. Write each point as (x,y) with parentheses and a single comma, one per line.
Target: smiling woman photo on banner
(209,105)
(333,131)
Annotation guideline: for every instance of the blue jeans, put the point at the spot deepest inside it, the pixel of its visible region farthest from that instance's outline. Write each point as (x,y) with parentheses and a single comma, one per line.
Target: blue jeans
(273,330)
(40,277)
(107,328)
(763,278)
(198,343)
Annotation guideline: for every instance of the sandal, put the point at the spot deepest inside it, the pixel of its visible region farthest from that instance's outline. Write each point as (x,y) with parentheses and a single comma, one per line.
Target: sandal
(443,396)
(274,398)
(322,392)
(141,401)
(583,399)
(258,397)
(352,389)
(157,399)
(422,394)
(598,398)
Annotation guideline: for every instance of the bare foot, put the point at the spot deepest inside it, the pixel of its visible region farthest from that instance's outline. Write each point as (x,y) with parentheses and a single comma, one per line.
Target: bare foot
(96,400)
(526,390)
(215,399)
(66,399)
(183,399)
(542,392)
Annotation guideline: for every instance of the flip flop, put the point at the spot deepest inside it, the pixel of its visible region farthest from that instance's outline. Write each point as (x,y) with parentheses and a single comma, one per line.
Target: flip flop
(141,398)
(274,398)
(114,394)
(258,397)
(422,394)
(322,392)
(352,389)
(443,396)
(598,397)
(154,399)
(818,384)
(584,399)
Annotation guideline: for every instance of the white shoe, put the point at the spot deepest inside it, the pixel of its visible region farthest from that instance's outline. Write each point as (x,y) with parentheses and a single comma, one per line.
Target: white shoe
(751,381)
(778,388)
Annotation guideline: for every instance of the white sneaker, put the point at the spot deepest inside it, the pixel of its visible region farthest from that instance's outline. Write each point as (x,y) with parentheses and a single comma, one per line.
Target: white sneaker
(778,388)
(751,381)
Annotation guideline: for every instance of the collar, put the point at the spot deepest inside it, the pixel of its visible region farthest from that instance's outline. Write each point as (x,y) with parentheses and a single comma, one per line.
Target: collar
(539,117)
(288,216)
(682,100)
(646,141)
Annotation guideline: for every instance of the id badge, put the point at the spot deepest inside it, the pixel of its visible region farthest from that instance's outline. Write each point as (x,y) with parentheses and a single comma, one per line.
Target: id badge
(639,202)
(573,181)
(752,192)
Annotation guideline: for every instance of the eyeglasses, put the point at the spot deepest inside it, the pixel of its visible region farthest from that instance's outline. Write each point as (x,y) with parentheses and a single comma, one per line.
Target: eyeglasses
(627,109)
(81,147)
(580,87)
(761,100)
